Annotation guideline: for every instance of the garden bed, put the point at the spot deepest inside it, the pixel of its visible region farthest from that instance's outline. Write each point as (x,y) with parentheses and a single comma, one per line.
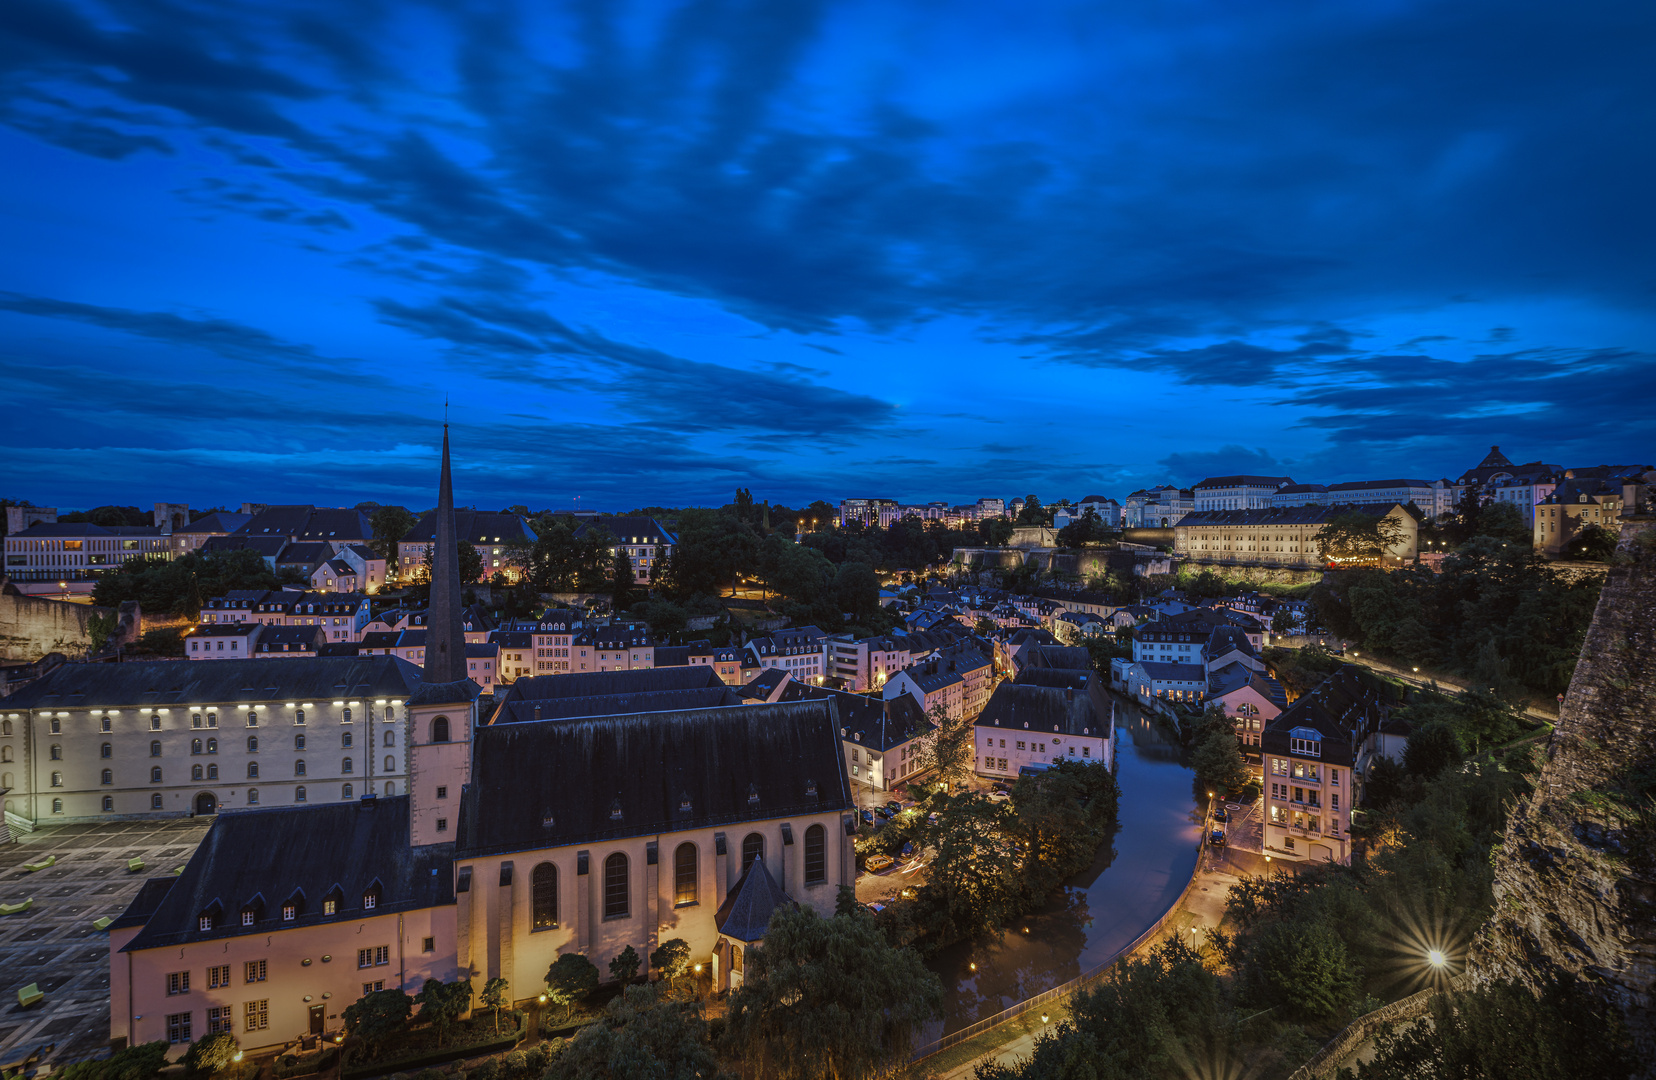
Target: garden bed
(418,1048)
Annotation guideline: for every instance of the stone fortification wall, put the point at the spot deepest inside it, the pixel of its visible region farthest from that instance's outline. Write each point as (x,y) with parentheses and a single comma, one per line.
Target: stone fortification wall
(31,627)
(1575,874)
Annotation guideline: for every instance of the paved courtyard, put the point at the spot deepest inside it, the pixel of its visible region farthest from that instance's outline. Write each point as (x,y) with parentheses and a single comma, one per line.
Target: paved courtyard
(54,945)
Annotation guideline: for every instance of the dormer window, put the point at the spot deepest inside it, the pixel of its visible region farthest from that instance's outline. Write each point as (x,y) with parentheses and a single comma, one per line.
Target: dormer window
(615,810)
(370,899)
(330,906)
(249,916)
(205,922)
(684,803)
(290,912)
(753,795)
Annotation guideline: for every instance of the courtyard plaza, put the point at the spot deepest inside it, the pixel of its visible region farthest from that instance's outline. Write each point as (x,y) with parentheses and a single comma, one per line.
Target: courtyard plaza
(54,944)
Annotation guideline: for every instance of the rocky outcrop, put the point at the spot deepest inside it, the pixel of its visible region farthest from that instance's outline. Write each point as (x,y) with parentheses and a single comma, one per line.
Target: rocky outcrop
(1575,875)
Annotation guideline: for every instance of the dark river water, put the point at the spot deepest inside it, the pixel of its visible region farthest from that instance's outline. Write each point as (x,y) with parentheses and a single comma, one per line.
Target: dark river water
(1135,878)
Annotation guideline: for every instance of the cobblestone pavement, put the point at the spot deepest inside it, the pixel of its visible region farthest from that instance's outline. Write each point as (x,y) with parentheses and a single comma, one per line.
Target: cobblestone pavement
(54,945)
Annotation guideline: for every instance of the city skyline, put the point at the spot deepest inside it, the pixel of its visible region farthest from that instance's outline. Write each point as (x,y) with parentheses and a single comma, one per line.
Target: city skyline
(815,252)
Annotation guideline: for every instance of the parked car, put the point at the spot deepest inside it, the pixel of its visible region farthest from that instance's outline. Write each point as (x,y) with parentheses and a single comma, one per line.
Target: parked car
(999,796)
(874,908)
(883,811)
(878,863)
(1216,838)
(867,816)
(933,818)
(907,853)
(893,808)
(1220,815)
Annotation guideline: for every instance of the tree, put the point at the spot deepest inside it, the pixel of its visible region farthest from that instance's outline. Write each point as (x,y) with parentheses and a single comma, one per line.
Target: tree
(621,579)
(950,749)
(857,591)
(1283,620)
(1219,763)
(377,1016)
(442,1003)
(642,1035)
(210,1054)
(671,959)
(494,997)
(100,627)
(1594,542)
(828,997)
(624,967)
(985,627)
(471,563)
(1033,513)
(1502,1031)
(1301,965)
(141,1062)
(996,532)
(570,979)
(974,883)
(1431,748)
(390,525)
(1358,536)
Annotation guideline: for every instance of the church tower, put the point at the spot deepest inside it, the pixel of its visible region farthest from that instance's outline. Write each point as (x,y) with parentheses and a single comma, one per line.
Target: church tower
(442,712)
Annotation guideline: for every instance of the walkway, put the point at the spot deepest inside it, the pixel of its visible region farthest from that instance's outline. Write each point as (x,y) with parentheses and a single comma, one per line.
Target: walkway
(1202,909)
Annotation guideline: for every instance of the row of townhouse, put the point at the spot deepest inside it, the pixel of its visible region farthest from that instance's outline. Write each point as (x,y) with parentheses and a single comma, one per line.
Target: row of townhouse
(1281,537)
(342,616)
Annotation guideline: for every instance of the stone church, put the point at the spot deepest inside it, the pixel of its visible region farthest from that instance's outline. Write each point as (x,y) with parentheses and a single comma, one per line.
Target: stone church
(507,845)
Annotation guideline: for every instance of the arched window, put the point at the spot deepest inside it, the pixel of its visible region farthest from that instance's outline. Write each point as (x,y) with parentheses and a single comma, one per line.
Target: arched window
(345,765)
(345,740)
(390,764)
(685,877)
(196,773)
(252,770)
(108,777)
(543,885)
(390,738)
(5,752)
(57,726)
(299,716)
(616,903)
(57,779)
(108,803)
(816,855)
(299,767)
(440,729)
(252,744)
(345,717)
(299,741)
(5,727)
(252,796)
(390,789)
(346,792)
(57,806)
(56,752)
(212,772)
(155,801)
(105,723)
(195,746)
(155,775)
(390,713)
(212,746)
(155,748)
(299,793)
(752,848)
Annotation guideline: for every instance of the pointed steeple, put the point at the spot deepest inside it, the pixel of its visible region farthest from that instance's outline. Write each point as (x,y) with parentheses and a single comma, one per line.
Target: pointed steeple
(445,654)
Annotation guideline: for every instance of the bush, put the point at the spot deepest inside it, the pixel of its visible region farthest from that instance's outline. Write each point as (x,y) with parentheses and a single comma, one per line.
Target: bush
(141,1062)
(303,1064)
(210,1054)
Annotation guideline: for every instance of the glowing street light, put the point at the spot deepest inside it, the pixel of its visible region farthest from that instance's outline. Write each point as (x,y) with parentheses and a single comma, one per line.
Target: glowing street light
(1436,958)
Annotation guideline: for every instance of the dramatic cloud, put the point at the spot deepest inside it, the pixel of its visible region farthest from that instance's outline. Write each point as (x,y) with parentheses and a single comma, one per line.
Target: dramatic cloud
(913,249)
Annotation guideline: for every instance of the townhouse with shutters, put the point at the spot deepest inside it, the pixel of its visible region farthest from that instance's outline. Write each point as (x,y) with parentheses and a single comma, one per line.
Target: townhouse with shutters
(342,616)
(1054,715)
(645,542)
(500,538)
(1316,754)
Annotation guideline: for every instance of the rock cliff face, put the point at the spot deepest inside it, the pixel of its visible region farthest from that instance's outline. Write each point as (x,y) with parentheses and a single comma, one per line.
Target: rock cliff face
(1575,876)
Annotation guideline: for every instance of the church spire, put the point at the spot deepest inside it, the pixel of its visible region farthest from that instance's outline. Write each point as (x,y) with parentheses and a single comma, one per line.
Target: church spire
(445,654)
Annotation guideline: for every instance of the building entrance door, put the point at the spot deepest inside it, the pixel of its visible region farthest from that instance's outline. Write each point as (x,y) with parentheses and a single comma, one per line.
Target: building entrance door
(206,803)
(318,1013)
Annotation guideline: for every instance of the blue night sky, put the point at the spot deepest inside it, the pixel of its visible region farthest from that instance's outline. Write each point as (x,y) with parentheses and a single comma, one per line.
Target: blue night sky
(918,250)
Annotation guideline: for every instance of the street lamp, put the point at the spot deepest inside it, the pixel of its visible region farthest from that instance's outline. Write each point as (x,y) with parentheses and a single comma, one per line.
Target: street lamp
(1436,958)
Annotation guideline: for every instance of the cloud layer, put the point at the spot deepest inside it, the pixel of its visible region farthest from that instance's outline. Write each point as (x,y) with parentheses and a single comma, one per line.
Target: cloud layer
(652,252)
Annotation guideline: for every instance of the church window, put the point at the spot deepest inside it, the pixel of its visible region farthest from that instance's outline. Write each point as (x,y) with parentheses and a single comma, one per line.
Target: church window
(616,901)
(544,890)
(753,847)
(440,729)
(684,875)
(816,855)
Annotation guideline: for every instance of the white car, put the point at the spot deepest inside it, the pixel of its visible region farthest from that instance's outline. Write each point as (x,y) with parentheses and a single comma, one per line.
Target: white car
(999,796)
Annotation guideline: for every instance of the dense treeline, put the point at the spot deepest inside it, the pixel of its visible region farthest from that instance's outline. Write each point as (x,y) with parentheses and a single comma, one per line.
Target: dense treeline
(180,586)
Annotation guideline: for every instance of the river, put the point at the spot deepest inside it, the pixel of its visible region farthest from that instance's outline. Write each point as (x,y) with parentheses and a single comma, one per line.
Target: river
(1132,882)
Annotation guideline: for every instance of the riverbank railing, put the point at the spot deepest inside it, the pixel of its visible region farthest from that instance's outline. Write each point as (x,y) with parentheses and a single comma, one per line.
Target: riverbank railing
(1081,981)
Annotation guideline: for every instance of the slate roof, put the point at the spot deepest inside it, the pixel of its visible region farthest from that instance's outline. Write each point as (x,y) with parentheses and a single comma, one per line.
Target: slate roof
(49,529)
(765,684)
(307,554)
(1225,638)
(672,656)
(595,683)
(270,856)
(220,521)
(1244,480)
(1302,489)
(302,523)
(649,701)
(168,682)
(1343,708)
(267,546)
(1060,677)
(449,693)
(746,912)
(647,529)
(1371,485)
(872,723)
(1059,656)
(733,764)
(1281,515)
(1043,708)
(474,527)
(150,895)
(1169,672)
(1235,675)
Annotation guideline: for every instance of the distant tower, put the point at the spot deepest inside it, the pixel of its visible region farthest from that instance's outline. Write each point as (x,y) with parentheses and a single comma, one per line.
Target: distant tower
(442,712)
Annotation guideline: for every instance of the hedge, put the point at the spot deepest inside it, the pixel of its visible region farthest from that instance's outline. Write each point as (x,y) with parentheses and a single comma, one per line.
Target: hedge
(303,1064)
(492,1044)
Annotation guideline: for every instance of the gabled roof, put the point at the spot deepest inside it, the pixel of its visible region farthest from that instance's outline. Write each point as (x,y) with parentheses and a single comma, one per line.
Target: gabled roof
(1169,672)
(474,527)
(646,530)
(1244,480)
(309,523)
(1374,485)
(274,852)
(1282,515)
(873,723)
(737,763)
(597,683)
(1043,708)
(746,913)
(164,682)
(219,521)
(626,704)
(1063,678)
(267,546)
